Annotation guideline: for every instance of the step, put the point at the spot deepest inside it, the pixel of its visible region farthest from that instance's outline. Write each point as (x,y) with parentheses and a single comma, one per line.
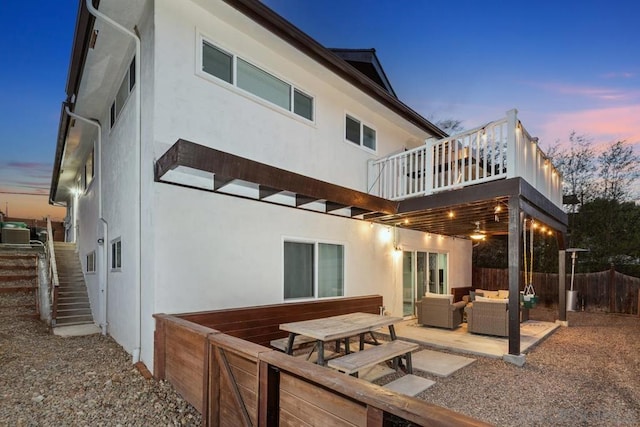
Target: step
(69,305)
(73,312)
(73,300)
(410,385)
(66,320)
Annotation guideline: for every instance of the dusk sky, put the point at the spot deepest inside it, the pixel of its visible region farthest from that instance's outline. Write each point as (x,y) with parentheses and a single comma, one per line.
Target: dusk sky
(564,65)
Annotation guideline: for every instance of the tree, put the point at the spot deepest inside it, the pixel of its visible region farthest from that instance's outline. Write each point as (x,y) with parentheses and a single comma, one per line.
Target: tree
(610,230)
(618,172)
(450,126)
(577,164)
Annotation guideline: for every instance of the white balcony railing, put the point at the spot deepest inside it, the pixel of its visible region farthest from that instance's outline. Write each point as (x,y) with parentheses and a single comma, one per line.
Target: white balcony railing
(498,150)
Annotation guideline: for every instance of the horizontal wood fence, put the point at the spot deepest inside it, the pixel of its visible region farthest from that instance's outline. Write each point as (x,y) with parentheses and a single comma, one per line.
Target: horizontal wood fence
(234,382)
(609,290)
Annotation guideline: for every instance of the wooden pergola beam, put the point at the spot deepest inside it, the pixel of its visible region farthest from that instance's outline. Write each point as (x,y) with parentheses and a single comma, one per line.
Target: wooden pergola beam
(220,163)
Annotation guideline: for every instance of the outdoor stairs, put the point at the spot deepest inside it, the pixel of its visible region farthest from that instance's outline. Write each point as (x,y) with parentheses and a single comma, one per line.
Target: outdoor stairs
(72,304)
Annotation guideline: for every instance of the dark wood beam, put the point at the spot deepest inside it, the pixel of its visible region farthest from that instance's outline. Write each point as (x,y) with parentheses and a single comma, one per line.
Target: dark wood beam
(538,215)
(466,195)
(358,211)
(516,217)
(303,200)
(220,181)
(331,206)
(543,204)
(186,153)
(265,191)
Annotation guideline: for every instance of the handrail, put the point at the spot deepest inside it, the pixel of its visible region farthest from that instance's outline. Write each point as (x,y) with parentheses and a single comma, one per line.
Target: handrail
(497,150)
(53,269)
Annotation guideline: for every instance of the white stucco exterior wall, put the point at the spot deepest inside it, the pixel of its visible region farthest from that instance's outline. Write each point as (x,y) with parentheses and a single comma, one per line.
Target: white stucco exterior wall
(204,251)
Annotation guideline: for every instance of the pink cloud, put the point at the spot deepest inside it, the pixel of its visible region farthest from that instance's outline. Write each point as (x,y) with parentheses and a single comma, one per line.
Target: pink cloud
(601,93)
(603,125)
(619,75)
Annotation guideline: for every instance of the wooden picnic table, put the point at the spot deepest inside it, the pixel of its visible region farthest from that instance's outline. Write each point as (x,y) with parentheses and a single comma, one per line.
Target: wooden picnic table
(336,328)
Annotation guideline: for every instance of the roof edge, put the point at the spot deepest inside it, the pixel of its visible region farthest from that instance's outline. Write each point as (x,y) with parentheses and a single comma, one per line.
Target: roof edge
(279,26)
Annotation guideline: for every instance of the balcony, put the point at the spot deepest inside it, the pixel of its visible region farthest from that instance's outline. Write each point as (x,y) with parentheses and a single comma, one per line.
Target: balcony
(501,149)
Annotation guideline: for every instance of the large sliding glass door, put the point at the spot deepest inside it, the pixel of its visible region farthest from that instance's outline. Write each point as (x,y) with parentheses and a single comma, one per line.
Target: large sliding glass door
(422,272)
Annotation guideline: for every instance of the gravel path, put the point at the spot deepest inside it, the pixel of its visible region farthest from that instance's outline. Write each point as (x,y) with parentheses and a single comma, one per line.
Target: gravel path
(46,380)
(584,375)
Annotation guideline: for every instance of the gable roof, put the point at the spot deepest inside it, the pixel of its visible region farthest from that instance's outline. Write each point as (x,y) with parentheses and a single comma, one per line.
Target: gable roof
(366,61)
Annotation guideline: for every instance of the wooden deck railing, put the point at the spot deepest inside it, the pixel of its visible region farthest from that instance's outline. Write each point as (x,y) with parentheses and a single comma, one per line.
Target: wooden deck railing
(234,382)
(498,150)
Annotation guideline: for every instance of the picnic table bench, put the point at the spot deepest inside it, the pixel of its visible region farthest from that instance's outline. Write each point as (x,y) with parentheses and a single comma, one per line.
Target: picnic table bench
(354,362)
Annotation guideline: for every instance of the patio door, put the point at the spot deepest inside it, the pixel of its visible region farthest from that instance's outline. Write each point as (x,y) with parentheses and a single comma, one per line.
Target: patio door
(422,272)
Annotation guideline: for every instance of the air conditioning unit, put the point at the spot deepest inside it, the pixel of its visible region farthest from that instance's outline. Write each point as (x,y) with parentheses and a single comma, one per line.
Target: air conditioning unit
(16,236)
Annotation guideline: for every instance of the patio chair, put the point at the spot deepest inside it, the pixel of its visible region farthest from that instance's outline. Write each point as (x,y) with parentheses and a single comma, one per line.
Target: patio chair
(440,312)
(488,318)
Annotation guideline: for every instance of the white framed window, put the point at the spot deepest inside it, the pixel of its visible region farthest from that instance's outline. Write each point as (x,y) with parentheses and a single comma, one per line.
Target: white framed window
(358,133)
(236,71)
(116,254)
(313,269)
(126,87)
(91,262)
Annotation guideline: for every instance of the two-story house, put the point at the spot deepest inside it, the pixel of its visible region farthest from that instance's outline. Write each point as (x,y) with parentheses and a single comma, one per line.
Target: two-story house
(212,155)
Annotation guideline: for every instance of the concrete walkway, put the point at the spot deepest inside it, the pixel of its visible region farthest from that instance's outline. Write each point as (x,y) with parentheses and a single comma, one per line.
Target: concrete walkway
(459,340)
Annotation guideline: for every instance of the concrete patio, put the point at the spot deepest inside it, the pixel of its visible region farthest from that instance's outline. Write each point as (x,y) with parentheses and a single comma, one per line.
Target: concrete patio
(459,340)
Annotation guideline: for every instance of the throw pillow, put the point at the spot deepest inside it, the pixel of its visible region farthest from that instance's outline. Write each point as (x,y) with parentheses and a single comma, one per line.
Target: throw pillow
(472,296)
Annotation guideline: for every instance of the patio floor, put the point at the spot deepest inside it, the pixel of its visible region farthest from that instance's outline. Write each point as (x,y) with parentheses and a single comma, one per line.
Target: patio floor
(459,340)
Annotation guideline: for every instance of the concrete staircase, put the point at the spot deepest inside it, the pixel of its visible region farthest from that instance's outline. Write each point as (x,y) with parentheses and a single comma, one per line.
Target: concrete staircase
(72,305)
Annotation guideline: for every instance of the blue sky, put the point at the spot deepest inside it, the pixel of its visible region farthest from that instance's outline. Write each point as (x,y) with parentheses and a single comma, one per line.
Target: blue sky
(564,65)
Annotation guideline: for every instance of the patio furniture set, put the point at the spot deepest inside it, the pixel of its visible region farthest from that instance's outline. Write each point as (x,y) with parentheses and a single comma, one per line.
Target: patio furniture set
(487,312)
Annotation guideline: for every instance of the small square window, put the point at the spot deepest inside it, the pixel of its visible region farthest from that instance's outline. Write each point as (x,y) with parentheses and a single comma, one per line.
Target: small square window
(217,63)
(302,105)
(352,131)
(116,254)
(91,262)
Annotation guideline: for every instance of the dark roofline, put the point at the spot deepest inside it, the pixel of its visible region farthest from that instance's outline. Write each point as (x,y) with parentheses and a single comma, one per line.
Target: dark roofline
(279,26)
(375,63)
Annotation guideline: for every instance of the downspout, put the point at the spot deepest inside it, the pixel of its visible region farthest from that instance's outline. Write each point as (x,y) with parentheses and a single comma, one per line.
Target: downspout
(138,141)
(105,226)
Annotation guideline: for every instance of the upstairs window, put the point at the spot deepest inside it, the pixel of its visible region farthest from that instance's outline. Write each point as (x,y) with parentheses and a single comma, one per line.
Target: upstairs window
(252,79)
(126,87)
(359,133)
(217,63)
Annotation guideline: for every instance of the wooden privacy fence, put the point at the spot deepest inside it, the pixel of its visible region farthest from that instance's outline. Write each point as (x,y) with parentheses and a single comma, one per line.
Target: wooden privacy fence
(234,382)
(609,291)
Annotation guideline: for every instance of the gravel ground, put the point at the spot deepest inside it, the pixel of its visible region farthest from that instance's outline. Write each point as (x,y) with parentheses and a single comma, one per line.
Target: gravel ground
(46,380)
(584,375)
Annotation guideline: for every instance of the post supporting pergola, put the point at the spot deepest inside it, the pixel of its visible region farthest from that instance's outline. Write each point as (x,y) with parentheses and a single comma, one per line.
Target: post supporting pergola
(516,217)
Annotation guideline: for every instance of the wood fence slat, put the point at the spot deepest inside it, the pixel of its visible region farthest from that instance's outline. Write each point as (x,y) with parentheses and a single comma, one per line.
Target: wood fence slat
(608,290)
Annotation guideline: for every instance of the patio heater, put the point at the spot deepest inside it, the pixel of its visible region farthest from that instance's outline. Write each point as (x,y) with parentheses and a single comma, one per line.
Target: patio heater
(572,296)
